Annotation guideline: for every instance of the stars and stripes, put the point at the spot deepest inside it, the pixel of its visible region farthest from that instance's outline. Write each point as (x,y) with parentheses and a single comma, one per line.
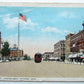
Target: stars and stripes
(23,17)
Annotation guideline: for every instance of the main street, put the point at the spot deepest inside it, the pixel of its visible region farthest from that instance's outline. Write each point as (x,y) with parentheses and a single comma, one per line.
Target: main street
(43,69)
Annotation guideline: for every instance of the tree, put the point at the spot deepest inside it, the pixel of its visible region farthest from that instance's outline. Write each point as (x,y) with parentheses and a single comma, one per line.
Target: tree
(5,51)
(26,57)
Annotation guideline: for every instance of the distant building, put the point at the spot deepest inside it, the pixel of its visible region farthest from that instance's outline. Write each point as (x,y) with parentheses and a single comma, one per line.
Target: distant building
(0,41)
(59,49)
(0,47)
(47,55)
(67,44)
(14,52)
(77,42)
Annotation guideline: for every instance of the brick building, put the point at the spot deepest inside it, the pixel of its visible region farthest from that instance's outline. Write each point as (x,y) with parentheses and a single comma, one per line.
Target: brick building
(0,41)
(59,49)
(14,53)
(67,44)
(77,42)
(0,47)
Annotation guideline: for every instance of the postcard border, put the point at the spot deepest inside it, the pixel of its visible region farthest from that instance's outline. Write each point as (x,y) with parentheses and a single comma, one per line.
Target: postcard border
(38,4)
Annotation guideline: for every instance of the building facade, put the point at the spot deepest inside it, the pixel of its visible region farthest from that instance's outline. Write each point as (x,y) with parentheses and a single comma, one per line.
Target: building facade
(59,49)
(14,53)
(67,44)
(0,47)
(77,42)
(0,41)
(47,55)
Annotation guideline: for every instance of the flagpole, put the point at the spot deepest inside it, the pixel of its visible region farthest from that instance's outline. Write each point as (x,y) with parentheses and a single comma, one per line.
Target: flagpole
(18,37)
(23,18)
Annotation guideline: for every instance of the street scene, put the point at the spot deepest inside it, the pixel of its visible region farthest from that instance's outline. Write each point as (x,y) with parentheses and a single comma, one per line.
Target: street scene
(42,42)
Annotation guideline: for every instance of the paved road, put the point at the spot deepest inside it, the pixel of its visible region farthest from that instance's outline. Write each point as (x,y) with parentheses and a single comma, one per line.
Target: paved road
(43,69)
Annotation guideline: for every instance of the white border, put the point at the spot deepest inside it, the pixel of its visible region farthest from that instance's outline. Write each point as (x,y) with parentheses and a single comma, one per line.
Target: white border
(41,4)
(46,1)
(25,79)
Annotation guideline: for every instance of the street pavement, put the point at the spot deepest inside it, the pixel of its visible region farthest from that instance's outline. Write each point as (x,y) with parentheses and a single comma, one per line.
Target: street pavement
(44,69)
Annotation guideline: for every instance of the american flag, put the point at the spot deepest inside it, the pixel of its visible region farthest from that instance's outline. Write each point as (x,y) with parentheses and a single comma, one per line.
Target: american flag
(23,17)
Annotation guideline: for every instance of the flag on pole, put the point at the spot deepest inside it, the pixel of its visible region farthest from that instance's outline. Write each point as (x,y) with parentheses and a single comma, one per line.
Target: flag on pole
(23,17)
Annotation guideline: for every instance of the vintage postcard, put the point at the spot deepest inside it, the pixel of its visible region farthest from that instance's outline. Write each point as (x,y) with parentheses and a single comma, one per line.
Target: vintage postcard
(41,41)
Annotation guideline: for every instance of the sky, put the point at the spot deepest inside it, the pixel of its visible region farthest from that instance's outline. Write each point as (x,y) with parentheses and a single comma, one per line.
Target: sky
(45,26)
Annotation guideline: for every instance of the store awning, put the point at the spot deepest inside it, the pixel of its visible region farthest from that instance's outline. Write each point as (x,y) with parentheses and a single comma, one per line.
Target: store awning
(75,55)
(81,56)
(72,55)
(53,58)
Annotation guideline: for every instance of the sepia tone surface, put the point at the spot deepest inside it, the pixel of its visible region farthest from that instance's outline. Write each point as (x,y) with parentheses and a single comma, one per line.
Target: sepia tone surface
(43,69)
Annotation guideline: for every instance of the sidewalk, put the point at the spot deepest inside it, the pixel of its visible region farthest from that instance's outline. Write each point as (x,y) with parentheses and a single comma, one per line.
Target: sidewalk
(79,63)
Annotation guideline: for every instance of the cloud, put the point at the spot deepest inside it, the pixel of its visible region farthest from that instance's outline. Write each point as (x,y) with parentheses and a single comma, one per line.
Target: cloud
(67,14)
(10,22)
(28,25)
(64,14)
(13,23)
(31,23)
(30,46)
(66,31)
(27,10)
(12,39)
(51,29)
(56,30)
(7,15)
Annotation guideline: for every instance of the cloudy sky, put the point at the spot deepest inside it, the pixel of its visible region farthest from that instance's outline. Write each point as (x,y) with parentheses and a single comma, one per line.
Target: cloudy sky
(44,27)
